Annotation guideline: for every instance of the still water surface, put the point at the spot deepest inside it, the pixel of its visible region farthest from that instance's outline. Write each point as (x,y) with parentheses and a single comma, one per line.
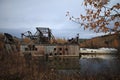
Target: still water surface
(86,65)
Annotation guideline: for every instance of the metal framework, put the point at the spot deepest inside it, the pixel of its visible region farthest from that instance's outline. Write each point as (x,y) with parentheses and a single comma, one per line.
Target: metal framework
(41,36)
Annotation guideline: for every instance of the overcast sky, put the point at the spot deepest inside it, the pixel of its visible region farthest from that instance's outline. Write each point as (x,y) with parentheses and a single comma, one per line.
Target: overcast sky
(18,16)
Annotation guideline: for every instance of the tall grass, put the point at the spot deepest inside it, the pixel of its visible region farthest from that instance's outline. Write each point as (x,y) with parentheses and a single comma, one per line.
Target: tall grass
(15,67)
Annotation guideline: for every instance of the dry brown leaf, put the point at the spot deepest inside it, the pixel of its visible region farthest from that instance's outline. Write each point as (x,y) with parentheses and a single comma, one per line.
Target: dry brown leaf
(117,24)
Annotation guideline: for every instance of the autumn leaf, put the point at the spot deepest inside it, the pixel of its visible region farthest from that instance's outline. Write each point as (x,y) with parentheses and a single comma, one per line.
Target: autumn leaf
(85,3)
(86,26)
(95,5)
(101,15)
(113,17)
(117,24)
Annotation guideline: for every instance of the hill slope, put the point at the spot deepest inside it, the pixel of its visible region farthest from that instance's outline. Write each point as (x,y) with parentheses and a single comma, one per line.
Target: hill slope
(112,40)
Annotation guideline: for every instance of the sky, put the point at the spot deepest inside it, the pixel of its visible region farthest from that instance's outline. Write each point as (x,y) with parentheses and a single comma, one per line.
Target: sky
(18,16)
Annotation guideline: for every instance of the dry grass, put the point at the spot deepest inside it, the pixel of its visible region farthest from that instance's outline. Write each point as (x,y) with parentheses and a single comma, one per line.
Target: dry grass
(14,67)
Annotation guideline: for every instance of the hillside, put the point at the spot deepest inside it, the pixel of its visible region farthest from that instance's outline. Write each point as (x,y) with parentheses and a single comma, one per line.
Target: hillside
(111,40)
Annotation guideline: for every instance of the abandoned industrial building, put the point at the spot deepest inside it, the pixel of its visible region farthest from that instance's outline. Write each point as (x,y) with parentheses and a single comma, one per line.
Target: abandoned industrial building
(43,42)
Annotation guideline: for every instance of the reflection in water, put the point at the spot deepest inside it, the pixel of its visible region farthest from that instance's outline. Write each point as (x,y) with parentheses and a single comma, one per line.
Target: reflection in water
(107,64)
(86,65)
(64,63)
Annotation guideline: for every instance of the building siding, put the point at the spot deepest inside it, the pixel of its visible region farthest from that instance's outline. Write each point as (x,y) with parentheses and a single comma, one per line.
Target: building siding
(52,50)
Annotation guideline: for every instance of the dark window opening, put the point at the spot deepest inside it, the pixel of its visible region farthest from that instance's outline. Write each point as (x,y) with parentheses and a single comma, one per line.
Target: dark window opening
(60,49)
(54,49)
(26,49)
(50,54)
(55,53)
(60,53)
(32,47)
(35,49)
(66,49)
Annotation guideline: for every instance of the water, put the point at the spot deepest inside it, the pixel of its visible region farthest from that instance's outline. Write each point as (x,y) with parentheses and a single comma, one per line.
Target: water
(87,65)
(62,68)
(102,64)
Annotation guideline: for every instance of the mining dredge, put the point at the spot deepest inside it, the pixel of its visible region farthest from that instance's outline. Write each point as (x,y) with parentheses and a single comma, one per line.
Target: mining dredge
(43,43)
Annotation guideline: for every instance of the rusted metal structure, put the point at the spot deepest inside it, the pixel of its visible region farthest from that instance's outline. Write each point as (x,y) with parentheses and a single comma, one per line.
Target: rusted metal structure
(43,45)
(41,36)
